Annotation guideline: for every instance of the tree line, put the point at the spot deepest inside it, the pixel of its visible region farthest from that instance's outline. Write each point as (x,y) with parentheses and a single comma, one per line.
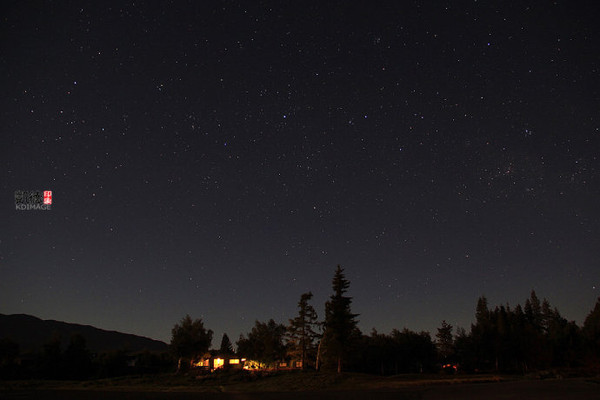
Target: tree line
(506,339)
(76,361)
(503,339)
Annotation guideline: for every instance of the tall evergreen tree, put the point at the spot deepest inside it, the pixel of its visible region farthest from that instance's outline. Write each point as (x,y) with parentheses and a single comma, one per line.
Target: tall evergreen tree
(533,311)
(482,335)
(226,346)
(301,330)
(340,322)
(482,313)
(534,337)
(445,341)
(591,332)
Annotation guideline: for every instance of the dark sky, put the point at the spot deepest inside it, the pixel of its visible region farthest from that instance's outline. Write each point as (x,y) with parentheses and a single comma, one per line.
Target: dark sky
(221,158)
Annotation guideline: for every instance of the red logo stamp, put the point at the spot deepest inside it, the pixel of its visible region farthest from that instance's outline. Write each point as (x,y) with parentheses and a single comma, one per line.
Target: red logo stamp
(47,197)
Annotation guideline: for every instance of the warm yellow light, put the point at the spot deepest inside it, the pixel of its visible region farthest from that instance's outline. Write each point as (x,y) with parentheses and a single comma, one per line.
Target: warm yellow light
(202,363)
(253,365)
(219,362)
(234,361)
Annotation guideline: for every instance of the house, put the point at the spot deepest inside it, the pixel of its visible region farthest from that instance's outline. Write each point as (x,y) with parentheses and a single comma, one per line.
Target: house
(214,361)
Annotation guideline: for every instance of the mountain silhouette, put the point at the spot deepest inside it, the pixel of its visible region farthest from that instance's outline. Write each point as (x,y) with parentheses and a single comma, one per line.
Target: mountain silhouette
(31,333)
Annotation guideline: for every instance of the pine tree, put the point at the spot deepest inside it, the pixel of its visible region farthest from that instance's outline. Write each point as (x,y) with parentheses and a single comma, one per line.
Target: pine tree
(482,313)
(533,311)
(226,346)
(445,341)
(301,331)
(591,331)
(482,334)
(340,322)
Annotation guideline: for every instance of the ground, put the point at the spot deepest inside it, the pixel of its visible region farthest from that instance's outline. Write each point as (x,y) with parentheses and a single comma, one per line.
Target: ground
(346,388)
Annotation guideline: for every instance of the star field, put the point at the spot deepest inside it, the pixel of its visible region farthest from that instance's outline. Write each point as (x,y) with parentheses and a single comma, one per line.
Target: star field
(221,158)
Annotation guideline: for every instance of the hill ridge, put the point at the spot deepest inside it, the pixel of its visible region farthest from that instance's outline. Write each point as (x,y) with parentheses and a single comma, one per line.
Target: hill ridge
(31,332)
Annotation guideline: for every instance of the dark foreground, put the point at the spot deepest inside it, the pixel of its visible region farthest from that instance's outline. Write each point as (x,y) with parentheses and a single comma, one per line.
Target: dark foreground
(572,389)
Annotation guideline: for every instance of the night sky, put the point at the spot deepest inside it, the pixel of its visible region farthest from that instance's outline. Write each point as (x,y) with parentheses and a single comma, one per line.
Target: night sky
(219,159)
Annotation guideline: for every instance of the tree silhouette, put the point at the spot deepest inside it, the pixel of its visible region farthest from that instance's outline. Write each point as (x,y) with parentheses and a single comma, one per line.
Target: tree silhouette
(482,334)
(482,313)
(78,359)
(340,322)
(378,353)
(301,331)
(533,311)
(264,343)
(445,342)
(112,363)
(416,351)
(526,338)
(226,346)
(51,360)
(9,351)
(189,339)
(591,332)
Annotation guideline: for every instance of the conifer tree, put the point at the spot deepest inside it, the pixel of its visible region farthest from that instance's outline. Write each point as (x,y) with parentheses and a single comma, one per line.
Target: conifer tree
(591,331)
(301,330)
(445,341)
(226,347)
(340,322)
